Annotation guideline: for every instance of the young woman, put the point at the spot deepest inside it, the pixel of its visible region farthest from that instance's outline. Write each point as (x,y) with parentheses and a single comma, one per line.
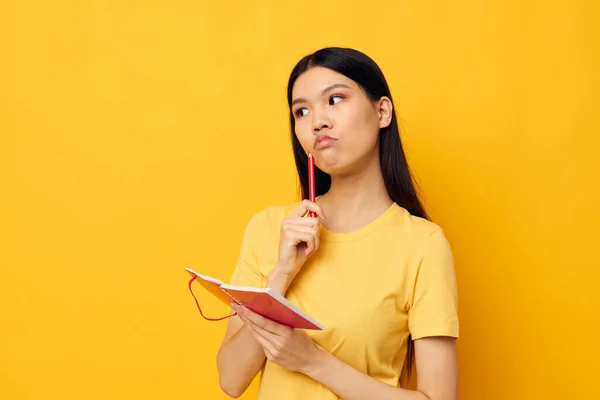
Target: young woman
(370,266)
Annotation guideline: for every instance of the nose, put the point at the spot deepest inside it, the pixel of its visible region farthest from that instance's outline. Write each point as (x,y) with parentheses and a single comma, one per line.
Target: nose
(320,121)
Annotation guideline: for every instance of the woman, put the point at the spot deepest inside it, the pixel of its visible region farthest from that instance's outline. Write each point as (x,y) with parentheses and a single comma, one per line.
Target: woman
(370,267)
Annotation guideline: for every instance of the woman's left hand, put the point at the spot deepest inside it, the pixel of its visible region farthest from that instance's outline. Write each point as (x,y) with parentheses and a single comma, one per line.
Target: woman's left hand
(291,348)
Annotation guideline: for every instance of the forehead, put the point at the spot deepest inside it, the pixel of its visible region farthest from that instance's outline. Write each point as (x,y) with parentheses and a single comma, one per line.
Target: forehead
(315,79)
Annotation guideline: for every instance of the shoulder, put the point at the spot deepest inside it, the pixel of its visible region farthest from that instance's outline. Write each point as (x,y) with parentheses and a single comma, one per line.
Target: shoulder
(430,248)
(269,218)
(263,230)
(421,240)
(418,231)
(274,213)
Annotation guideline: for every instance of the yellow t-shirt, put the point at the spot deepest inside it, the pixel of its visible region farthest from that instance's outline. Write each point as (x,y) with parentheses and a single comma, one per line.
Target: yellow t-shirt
(370,288)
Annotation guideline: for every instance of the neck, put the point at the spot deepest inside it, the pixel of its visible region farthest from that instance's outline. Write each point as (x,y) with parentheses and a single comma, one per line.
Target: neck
(355,200)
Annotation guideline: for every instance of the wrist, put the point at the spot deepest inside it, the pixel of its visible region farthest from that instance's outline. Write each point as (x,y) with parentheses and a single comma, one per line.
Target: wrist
(319,362)
(279,280)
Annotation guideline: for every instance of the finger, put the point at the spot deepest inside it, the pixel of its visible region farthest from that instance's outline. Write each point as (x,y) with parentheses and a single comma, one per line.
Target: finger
(269,341)
(262,323)
(306,206)
(308,235)
(267,335)
(311,246)
(297,234)
(313,230)
(315,246)
(306,221)
(301,237)
(267,346)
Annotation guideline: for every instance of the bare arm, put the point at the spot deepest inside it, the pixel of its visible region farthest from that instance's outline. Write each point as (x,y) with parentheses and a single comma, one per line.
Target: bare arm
(294,350)
(436,363)
(240,356)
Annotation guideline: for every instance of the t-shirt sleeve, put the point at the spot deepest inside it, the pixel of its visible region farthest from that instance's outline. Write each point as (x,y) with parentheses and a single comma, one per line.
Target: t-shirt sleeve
(433,310)
(247,271)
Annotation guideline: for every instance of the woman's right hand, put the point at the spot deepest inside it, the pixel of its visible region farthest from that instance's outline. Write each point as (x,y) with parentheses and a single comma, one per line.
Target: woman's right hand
(299,238)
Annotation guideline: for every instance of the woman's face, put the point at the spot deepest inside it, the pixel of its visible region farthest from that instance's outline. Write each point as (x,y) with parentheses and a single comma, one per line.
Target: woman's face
(336,121)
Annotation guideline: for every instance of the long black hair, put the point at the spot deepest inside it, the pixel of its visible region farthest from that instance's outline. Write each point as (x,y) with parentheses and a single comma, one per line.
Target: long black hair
(366,73)
(395,170)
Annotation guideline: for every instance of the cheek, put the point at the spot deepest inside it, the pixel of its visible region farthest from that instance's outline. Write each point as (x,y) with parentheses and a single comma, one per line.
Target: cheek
(304,133)
(362,126)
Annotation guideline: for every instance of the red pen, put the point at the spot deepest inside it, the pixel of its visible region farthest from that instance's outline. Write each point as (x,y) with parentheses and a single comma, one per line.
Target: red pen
(311,182)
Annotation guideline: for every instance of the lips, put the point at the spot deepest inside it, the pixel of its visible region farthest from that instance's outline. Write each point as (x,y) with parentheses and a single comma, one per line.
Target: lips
(323,141)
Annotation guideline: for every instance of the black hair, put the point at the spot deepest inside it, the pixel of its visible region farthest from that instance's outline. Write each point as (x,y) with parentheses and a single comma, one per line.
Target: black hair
(394,167)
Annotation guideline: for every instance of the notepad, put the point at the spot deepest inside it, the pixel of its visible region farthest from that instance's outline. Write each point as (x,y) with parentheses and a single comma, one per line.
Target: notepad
(264,301)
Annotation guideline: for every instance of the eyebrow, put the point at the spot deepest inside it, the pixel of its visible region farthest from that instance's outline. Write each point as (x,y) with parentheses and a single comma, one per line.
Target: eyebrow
(327,89)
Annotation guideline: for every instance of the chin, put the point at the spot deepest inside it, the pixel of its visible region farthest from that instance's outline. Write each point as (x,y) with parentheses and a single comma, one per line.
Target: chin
(333,165)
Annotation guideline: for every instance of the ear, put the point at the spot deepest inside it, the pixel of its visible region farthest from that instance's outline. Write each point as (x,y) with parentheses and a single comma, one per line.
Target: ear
(385,110)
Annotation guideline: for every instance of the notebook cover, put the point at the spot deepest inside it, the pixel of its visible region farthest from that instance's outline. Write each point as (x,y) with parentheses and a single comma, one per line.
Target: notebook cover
(265,304)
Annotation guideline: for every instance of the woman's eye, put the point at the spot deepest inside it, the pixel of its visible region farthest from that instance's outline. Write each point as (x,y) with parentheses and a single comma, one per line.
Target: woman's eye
(335,99)
(301,112)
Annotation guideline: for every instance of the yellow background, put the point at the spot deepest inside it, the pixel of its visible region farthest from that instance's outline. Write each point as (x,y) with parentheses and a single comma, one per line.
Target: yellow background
(138,137)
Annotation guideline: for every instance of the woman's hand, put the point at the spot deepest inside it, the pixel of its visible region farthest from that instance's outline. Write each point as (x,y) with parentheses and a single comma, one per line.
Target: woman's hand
(299,238)
(291,348)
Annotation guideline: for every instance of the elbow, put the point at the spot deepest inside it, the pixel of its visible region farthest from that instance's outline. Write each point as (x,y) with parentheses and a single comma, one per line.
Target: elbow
(439,396)
(228,383)
(231,393)
(230,388)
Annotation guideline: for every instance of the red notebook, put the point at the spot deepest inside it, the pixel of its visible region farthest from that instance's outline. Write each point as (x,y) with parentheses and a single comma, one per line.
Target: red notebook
(263,301)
